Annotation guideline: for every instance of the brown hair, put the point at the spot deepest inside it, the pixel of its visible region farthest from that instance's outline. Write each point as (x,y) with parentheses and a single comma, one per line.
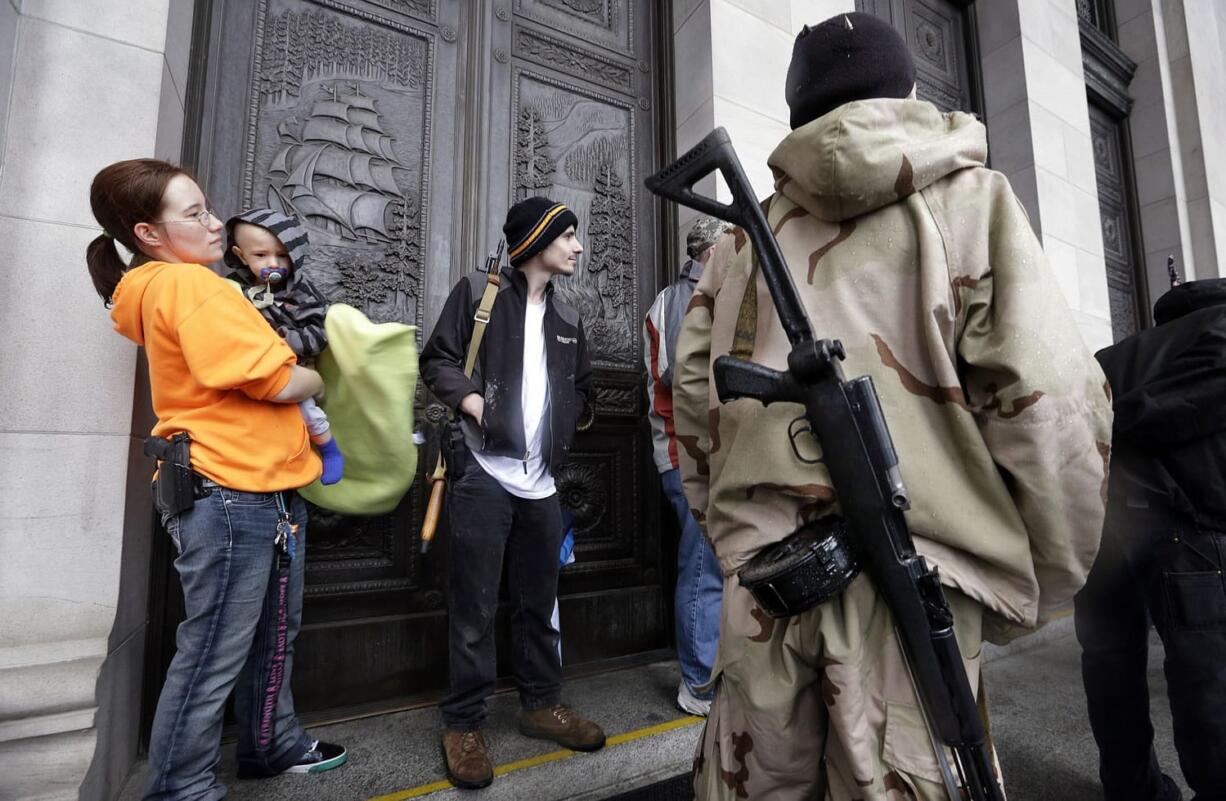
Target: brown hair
(122,195)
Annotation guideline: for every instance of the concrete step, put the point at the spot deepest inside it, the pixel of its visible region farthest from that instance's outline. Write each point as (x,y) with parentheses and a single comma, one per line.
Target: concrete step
(396,757)
(1034,692)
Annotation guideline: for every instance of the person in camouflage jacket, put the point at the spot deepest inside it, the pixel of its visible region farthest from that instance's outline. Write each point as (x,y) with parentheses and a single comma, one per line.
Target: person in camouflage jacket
(905,247)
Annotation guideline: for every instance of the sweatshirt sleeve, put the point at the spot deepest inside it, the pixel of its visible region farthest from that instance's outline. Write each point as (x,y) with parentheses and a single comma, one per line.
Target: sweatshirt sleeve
(442,359)
(1039,399)
(305,333)
(228,345)
(659,393)
(693,396)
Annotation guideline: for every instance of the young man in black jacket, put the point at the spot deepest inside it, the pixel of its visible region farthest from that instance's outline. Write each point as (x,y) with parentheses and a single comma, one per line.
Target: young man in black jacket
(1163,551)
(518,413)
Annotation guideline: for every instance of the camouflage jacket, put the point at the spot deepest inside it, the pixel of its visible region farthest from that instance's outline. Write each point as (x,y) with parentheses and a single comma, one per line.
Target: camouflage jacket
(922,261)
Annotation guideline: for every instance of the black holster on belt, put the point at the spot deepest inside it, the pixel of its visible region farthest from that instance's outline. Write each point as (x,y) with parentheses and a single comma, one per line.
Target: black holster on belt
(808,567)
(455,450)
(174,489)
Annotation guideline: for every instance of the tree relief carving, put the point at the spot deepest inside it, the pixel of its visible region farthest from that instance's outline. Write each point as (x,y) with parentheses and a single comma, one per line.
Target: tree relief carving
(336,100)
(577,150)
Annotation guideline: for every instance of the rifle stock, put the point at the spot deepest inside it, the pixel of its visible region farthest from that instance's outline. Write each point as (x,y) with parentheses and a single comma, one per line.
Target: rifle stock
(434,506)
(846,418)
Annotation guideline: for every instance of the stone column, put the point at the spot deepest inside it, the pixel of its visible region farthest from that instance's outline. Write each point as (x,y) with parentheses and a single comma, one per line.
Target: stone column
(1039,136)
(83,83)
(1176,126)
(731,58)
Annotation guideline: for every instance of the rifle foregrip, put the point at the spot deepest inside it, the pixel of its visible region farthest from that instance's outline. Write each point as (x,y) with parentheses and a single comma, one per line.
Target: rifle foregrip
(434,508)
(737,378)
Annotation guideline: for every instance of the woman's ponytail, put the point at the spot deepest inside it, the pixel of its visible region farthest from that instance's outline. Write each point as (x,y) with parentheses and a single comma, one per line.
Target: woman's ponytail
(105,265)
(122,195)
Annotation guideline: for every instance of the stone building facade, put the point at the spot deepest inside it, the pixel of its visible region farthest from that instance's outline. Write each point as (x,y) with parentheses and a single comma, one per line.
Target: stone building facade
(1101,113)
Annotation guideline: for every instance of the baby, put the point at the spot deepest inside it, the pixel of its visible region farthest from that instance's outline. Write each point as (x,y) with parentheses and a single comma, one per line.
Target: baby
(265,251)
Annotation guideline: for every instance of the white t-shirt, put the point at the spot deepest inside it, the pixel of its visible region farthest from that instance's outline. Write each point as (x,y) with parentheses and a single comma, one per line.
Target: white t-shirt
(528,477)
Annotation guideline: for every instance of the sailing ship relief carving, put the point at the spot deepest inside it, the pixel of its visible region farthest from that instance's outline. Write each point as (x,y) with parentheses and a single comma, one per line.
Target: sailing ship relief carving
(339,142)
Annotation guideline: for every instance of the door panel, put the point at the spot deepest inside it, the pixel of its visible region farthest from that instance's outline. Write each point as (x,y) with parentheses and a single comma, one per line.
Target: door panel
(394,128)
(938,34)
(580,130)
(1106,136)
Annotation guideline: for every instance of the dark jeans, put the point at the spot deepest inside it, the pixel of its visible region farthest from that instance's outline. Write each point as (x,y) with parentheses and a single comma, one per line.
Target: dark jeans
(486,523)
(231,640)
(1150,568)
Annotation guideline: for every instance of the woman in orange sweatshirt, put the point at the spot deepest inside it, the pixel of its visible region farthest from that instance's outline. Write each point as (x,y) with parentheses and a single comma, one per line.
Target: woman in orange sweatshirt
(219,374)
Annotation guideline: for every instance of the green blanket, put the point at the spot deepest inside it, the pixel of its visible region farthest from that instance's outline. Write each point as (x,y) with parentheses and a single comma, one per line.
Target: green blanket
(370,376)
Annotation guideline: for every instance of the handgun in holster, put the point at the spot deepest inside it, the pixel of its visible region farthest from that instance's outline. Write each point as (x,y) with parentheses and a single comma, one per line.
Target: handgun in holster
(176,487)
(455,451)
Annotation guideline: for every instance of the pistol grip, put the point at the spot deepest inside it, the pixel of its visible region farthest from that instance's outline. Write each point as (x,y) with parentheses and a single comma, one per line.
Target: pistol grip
(737,378)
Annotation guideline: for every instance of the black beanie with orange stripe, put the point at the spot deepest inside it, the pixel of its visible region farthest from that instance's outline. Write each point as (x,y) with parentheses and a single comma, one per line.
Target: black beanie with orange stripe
(532,225)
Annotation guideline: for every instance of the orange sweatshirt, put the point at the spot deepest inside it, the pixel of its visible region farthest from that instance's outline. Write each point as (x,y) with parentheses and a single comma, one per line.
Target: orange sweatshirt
(214,364)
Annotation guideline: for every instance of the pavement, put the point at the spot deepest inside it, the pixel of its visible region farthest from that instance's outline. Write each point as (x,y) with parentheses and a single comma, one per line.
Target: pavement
(1034,694)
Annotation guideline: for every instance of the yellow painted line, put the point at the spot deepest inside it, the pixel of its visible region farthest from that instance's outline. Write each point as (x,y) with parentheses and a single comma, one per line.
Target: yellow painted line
(552,756)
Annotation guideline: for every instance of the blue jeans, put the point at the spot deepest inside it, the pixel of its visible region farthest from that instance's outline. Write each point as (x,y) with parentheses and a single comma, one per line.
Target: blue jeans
(700,589)
(233,638)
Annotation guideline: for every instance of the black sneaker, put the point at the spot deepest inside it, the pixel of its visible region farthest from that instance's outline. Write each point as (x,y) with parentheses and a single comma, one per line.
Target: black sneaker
(321,757)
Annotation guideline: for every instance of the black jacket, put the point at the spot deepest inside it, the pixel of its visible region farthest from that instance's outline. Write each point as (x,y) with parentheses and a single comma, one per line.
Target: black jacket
(498,374)
(1169,388)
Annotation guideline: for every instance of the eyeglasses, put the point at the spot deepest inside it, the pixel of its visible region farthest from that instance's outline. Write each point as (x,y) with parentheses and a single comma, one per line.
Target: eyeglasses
(202,217)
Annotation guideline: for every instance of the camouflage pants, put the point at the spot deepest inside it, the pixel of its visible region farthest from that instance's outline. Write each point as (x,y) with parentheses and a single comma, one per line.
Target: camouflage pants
(820,706)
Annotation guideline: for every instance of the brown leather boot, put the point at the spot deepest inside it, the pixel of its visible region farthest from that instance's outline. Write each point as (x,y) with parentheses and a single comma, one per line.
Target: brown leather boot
(564,726)
(468,762)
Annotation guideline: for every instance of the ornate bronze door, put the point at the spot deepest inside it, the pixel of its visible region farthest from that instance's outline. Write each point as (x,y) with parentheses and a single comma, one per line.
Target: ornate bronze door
(1108,72)
(400,131)
(941,37)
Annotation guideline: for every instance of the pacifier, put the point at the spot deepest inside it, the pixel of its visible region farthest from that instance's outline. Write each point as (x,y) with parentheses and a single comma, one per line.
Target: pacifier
(273,275)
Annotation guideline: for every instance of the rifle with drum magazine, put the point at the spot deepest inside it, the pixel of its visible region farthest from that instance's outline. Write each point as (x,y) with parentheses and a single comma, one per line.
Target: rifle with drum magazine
(819,560)
(451,431)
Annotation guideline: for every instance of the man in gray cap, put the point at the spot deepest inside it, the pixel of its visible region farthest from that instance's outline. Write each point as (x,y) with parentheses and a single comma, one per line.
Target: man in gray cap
(699,580)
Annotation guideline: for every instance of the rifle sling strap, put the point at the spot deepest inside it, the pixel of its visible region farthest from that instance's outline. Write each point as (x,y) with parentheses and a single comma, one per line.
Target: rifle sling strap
(481,319)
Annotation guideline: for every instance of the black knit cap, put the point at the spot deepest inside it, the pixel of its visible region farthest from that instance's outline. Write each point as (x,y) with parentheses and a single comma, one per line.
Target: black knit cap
(853,56)
(532,225)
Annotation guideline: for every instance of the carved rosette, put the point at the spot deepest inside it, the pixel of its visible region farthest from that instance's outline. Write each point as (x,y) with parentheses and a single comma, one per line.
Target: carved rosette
(581,492)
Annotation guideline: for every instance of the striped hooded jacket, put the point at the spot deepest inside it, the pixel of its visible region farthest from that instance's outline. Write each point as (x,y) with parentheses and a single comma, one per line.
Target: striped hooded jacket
(298,309)
(661,327)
